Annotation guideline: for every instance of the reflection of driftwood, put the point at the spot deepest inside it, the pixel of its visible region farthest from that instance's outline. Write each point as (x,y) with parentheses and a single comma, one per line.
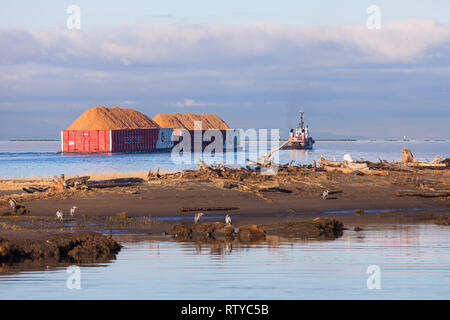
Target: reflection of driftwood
(209,209)
(422,194)
(123,182)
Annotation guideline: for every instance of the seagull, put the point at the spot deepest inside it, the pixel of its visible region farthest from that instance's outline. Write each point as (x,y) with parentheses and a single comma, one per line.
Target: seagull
(13,204)
(197,216)
(325,194)
(228,220)
(59,215)
(72,211)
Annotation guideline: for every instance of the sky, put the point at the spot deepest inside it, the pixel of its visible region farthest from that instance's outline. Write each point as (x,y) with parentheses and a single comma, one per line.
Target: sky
(255,63)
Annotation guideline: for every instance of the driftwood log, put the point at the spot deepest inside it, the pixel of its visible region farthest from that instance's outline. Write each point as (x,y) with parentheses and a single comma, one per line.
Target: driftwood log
(409,160)
(425,194)
(209,209)
(153,175)
(122,182)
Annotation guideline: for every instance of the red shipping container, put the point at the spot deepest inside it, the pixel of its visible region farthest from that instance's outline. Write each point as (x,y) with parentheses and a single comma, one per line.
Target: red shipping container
(127,140)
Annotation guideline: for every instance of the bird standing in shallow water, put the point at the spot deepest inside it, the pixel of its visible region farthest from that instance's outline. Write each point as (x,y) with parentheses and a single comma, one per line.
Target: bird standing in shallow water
(59,215)
(228,219)
(13,204)
(72,211)
(197,217)
(325,194)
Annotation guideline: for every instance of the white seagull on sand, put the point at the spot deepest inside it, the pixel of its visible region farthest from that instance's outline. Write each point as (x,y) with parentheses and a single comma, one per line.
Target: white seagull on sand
(72,211)
(13,204)
(325,194)
(228,219)
(59,215)
(197,217)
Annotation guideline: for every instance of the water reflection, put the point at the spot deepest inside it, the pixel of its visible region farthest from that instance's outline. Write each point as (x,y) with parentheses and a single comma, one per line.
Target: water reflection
(414,261)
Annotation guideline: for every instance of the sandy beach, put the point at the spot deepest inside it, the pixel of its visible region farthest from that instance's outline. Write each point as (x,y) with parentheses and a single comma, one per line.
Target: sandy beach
(294,193)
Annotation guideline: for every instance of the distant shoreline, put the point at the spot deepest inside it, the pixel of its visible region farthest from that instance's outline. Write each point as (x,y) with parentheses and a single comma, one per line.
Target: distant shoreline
(336,139)
(323,140)
(27,140)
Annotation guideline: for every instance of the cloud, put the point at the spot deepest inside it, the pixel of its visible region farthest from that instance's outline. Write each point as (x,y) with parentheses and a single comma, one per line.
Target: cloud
(253,75)
(192,103)
(144,43)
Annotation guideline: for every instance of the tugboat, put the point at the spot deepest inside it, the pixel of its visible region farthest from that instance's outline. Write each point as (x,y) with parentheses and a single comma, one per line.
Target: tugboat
(300,139)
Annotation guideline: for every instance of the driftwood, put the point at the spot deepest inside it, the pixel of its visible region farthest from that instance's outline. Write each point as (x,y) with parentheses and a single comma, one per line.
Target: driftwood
(324,162)
(60,181)
(426,165)
(39,189)
(410,161)
(209,209)
(407,156)
(122,182)
(275,189)
(265,161)
(217,169)
(34,189)
(153,175)
(28,190)
(77,181)
(422,194)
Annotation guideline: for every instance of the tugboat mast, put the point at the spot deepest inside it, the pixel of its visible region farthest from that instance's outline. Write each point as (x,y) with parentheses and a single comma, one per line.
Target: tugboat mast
(302,122)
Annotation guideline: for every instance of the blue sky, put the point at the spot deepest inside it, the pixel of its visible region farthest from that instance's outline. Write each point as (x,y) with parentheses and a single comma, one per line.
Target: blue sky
(49,13)
(255,63)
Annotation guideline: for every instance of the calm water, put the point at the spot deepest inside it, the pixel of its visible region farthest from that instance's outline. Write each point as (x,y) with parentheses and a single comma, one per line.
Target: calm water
(414,262)
(37,159)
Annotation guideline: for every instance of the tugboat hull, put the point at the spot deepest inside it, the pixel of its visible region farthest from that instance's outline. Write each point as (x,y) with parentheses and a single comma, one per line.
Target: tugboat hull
(297,145)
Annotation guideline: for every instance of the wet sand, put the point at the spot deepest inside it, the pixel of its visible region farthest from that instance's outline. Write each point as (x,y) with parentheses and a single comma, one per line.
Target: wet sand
(163,198)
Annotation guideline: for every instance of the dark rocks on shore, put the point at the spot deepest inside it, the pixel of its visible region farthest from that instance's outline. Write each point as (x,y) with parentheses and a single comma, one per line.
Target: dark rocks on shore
(444,221)
(204,231)
(77,247)
(219,231)
(317,229)
(251,232)
(20,211)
